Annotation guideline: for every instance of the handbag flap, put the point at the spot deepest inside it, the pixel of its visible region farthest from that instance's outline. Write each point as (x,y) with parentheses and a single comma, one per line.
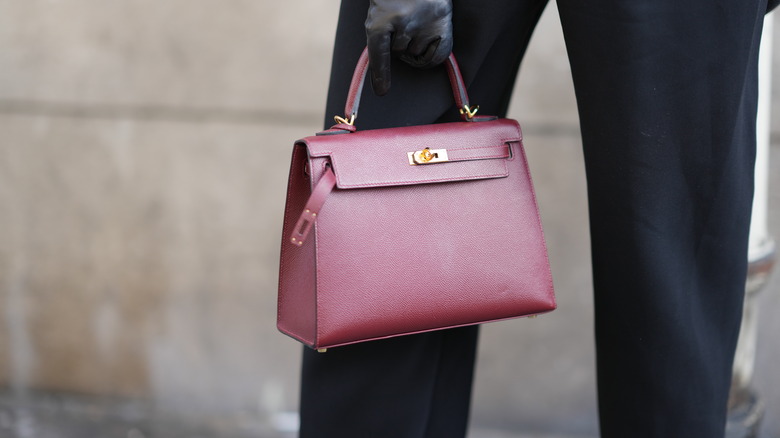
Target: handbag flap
(381,157)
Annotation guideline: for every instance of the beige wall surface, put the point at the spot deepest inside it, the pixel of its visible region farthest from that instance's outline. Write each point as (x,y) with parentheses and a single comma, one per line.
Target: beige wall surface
(144,148)
(143,165)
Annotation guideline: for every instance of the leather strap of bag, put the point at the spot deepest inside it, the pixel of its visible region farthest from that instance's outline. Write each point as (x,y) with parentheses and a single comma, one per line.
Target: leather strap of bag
(467,112)
(313,205)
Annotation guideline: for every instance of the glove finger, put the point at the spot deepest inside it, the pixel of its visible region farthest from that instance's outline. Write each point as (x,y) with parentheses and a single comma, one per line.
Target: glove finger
(433,54)
(420,45)
(379,44)
(401,42)
(438,52)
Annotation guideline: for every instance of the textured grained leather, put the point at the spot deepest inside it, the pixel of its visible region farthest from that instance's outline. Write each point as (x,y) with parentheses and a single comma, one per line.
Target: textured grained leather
(399,249)
(380,157)
(356,86)
(312,208)
(386,168)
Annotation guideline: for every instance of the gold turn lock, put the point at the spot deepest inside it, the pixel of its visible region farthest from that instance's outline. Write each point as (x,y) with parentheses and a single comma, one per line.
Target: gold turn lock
(428,156)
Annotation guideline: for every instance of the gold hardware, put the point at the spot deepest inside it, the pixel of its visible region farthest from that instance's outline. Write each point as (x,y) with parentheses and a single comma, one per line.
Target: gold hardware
(428,156)
(533,316)
(342,121)
(322,350)
(469,112)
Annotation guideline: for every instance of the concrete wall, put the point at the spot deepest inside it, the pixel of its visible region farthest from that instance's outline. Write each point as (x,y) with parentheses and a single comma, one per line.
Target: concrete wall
(143,159)
(142,174)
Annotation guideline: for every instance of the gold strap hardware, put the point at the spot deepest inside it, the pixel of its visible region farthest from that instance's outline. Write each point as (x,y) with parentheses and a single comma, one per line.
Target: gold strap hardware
(322,350)
(342,121)
(469,112)
(428,156)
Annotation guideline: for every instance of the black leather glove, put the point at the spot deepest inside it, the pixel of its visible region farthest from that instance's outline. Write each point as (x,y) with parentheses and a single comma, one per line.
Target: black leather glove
(418,31)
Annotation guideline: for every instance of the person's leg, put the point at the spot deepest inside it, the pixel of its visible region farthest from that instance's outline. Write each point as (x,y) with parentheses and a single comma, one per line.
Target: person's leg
(414,386)
(666,91)
(390,388)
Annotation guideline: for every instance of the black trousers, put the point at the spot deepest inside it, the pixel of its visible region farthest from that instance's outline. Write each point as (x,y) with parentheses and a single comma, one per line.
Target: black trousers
(666,92)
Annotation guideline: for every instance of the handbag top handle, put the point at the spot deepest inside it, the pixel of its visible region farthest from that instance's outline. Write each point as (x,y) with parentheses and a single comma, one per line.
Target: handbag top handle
(467,112)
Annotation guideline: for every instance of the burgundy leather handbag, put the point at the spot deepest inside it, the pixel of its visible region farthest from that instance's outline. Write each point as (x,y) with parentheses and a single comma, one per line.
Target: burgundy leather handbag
(397,231)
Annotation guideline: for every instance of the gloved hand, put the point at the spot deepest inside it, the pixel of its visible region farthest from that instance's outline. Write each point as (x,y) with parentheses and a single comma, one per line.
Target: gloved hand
(419,31)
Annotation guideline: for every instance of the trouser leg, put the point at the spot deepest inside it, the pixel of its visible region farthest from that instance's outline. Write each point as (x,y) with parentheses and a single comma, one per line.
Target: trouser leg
(407,387)
(413,386)
(666,91)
